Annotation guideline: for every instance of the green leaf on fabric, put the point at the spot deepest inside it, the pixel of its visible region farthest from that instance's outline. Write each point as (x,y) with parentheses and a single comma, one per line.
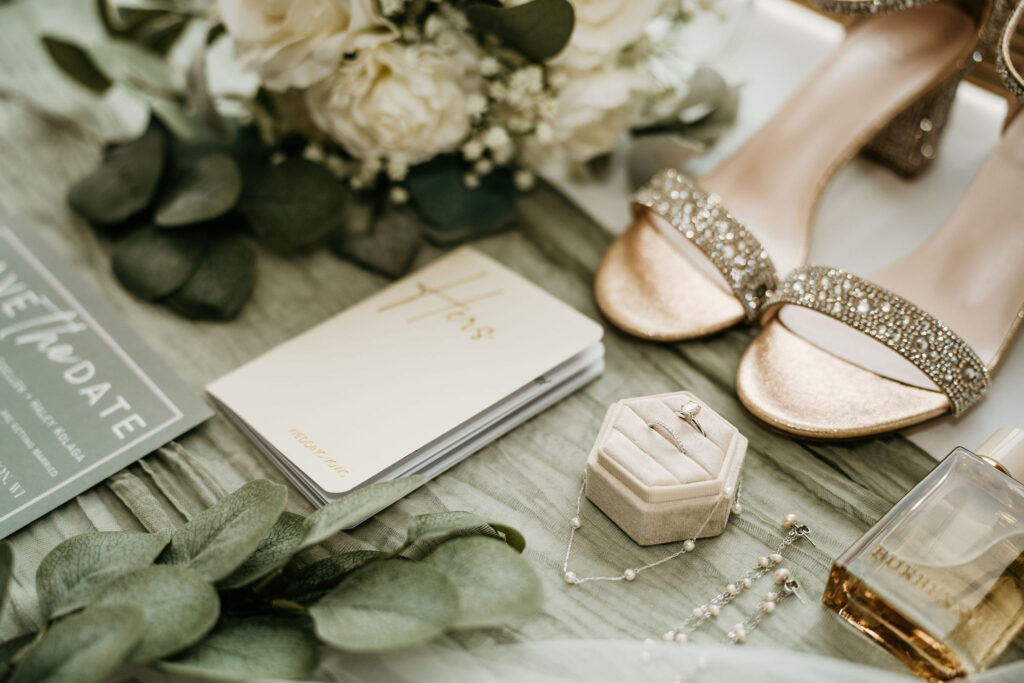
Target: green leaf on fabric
(277,547)
(73,574)
(356,507)
(494,582)
(222,283)
(293,204)
(204,189)
(12,647)
(385,605)
(512,536)
(311,582)
(219,539)
(426,532)
(83,647)
(179,607)
(6,569)
(456,212)
(76,63)
(126,180)
(260,647)
(152,263)
(538,30)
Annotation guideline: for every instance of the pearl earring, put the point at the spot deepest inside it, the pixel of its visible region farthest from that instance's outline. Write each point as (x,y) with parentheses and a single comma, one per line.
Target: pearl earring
(783,578)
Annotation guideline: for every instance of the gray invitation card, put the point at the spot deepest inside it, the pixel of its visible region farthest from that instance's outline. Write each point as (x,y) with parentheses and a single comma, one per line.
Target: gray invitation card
(81,396)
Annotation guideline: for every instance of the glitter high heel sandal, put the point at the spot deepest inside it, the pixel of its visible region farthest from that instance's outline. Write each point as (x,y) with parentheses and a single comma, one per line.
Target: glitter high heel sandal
(701,255)
(844,357)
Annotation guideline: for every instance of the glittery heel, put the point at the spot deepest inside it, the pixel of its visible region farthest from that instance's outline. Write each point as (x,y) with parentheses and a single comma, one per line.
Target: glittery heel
(908,144)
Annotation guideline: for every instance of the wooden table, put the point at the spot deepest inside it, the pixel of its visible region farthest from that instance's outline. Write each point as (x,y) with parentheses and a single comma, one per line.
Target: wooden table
(528,479)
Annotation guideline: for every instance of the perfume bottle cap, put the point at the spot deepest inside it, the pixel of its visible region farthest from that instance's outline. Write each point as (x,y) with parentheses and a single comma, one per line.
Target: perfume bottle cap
(1005,449)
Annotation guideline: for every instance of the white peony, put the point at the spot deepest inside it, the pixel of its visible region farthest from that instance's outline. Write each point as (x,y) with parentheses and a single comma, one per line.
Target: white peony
(591,114)
(295,43)
(603,28)
(394,101)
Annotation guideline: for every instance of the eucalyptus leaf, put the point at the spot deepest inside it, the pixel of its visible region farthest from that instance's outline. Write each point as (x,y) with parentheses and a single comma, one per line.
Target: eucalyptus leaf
(152,263)
(356,507)
(157,29)
(205,189)
(277,547)
(179,607)
(260,647)
(75,62)
(426,532)
(125,182)
(293,204)
(83,647)
(219,539)
(456,212)
(494,582)
(12,647)
(513,538)
(390,247)
(6,569)
(311,582)
(222,283)
(538,29)
(74,573)
(386,605)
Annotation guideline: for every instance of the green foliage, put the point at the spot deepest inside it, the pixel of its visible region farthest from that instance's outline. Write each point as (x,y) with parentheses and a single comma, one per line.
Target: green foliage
(219,539)
(263,647)
(127,180)
(457,212)
(179,606)
(201,191)
(83,647)
(294,204)
(6,569)
(74,572)
(76,63)
(231,596)
(538,29)
(222,282)
(386,605)
(153,263)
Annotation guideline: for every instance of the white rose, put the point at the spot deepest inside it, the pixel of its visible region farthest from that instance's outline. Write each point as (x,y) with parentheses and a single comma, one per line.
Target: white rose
(295,43)
(394,101)
(591,114)
(603,28)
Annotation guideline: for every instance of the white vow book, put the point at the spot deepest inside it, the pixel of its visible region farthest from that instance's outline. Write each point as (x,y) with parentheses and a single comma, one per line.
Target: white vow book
(413,379)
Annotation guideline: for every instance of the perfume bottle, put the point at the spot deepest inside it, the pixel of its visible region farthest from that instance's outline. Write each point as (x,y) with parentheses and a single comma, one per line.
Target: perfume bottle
(939,580)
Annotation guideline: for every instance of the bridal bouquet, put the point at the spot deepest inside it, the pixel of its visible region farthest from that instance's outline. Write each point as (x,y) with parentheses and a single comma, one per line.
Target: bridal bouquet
(370,123)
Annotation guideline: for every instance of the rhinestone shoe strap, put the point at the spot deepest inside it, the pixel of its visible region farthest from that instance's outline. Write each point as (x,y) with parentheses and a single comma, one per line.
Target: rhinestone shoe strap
(922,339)
(855,7)
(1012,78)
(700,218)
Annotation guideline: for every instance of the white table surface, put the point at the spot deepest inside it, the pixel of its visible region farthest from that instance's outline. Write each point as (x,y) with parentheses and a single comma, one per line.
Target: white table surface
(868,217)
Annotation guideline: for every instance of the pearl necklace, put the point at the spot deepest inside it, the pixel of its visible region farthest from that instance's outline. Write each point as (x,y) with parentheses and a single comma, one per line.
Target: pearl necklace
(630,574)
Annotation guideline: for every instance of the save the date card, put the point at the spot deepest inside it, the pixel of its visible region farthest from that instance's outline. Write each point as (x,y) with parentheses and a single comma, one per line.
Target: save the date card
(81,396)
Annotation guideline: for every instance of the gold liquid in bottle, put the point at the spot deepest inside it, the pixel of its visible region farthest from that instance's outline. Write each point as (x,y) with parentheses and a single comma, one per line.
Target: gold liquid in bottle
(939,580)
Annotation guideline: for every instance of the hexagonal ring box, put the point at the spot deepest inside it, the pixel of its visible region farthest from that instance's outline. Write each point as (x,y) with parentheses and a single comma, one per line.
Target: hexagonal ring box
(639,477)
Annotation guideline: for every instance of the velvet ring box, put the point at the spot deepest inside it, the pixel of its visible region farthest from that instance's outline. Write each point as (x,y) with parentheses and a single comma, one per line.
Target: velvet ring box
(638,476)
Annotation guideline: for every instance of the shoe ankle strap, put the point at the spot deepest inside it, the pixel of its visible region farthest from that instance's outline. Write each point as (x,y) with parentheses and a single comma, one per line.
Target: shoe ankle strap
(1012,78)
